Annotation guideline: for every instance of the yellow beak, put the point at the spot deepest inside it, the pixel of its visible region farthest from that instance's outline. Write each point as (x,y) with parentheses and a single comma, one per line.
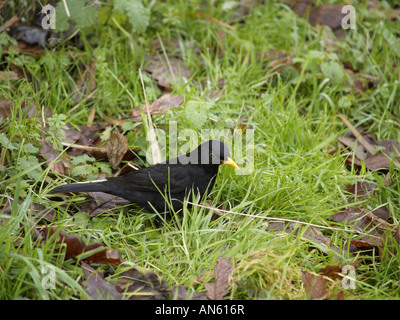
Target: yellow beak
(230,162)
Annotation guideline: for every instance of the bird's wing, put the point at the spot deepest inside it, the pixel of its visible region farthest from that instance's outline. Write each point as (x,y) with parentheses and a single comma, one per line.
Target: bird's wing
(156,177)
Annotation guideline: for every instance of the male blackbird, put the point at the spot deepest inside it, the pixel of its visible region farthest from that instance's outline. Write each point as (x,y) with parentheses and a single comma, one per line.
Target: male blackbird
(176,177)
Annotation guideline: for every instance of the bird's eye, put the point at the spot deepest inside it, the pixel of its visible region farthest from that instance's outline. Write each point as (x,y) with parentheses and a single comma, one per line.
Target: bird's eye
(212,155)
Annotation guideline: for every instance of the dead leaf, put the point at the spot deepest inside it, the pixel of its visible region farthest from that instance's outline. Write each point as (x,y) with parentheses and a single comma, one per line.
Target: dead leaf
(97,287)
(8,76)
(117,146)
(103,202)
(355,217)
(314,286)
(332,272)
(181,293)
(327,14)
(53,160)
(222,271)
(36,210)
(159,106)
(74,246)
(362,190)
(168,71)
(145,285)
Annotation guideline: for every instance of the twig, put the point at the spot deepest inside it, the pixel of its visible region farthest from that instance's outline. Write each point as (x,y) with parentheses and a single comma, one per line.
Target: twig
(213,20)
(155,149)
(282,219)
(358,135)
(82,147)
(66,8)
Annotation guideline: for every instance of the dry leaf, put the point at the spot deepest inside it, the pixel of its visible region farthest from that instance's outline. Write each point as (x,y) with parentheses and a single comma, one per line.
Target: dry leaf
(327,14)
(180,293)
(168,71)
(74,246)
(117,146)
(143,285)
(314,286)
(97,287)
(159,106)
(222,271)
(51,156)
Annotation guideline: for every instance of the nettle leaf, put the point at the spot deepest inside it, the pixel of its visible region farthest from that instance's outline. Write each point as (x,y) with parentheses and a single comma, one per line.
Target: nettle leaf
(81,12)
(82,170)
(6,143)
(137,14)
(30,162)
(83,159)
(30,148)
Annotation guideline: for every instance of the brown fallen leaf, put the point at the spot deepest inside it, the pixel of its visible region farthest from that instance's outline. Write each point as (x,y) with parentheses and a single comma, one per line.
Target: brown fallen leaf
(145,285)
(52,157)
(117,146)
(327,14)
(362,190)
(181,293)
(159,106)
(314,286)
(74,246)
(353,216)
(8,76)
(36,210)
(222,271)
(362,147)
(332,272)
(168,71)
(97,287)
(102,202)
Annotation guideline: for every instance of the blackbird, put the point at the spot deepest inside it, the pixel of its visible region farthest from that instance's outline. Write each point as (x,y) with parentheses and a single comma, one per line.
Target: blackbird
(175,178)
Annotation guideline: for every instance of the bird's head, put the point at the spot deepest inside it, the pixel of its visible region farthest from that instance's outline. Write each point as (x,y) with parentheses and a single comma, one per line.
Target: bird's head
(215,152)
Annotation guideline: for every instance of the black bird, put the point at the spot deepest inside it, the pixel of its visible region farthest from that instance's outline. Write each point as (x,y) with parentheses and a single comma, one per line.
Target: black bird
(176,178)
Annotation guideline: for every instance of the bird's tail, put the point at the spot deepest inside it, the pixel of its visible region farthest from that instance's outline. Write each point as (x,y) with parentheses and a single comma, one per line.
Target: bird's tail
(91,186)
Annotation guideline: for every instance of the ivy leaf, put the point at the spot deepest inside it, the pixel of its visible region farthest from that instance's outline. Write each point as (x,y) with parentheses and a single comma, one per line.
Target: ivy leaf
(138,15)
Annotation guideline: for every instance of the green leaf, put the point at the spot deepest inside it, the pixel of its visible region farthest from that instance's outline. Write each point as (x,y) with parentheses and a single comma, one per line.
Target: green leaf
(29,148)
(82,170)
(80,11)
(333,71)
(137,14)
(27,162)
(196,113)
(83,159)
(6,143)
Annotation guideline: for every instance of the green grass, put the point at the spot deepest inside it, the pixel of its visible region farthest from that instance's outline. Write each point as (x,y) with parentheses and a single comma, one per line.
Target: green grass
(294,176)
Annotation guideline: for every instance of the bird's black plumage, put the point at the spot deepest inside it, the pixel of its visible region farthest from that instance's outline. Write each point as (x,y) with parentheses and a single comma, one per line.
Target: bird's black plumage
(176,178)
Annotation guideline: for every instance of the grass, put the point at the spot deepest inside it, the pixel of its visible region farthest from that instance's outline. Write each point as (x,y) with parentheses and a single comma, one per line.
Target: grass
(294,176)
